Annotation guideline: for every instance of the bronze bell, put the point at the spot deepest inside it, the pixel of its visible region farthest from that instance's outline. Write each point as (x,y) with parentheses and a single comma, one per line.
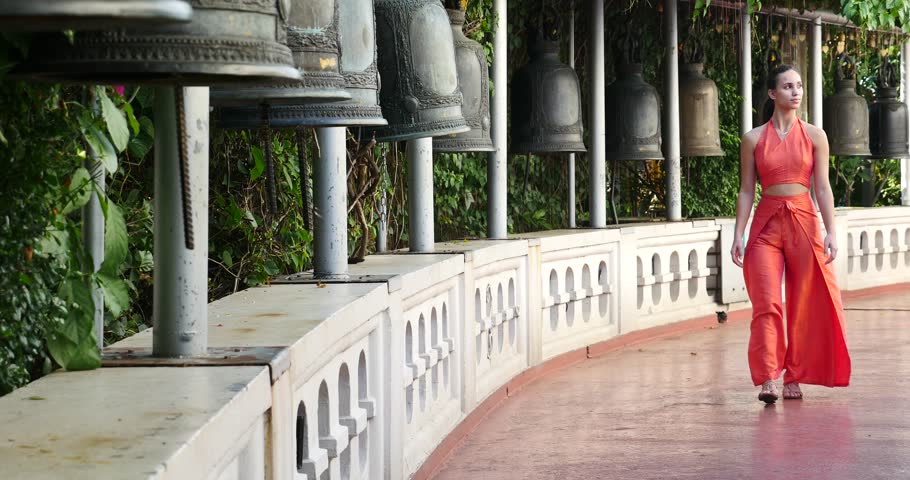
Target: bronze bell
(888,118)
(226,42)
(357,41)
(846,116)
(546,103)
(419,96)
(474,79)
(313,39)
(632,109)
(699,113)
(56,15)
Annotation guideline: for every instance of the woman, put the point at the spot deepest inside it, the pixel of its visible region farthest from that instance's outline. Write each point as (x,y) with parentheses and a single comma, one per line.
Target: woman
(785,240)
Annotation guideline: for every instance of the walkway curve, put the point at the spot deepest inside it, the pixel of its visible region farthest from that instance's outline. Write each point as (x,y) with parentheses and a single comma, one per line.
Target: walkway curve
(683,407)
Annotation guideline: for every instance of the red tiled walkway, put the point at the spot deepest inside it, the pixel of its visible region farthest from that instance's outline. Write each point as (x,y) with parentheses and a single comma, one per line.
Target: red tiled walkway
(684,408)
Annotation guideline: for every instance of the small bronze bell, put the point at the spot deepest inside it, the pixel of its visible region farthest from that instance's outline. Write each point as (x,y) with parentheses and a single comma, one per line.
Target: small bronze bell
(632,109)
(474,79)
(419,96)
(546,103)
(846,115)
(357,39)
(56,15)
(226,42)
(888,118)
(313,39)
(699,108)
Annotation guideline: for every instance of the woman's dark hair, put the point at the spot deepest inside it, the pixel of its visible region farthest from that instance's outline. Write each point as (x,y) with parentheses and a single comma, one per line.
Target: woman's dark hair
(771,84)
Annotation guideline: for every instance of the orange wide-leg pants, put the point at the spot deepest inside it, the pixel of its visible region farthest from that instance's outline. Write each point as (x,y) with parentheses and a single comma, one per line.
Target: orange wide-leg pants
(785,242)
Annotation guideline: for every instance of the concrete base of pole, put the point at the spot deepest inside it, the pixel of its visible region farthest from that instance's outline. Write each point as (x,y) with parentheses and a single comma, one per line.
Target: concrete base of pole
(420,194)
(330,202)
(93,238)
(181,244)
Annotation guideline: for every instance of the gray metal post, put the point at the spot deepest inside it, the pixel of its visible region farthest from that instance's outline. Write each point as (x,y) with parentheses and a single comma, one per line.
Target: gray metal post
(497,166)
(420,194)
(597,151)
(93,237)
(181,221)
(571,165)
(816,91)
(671,153)
(745,72)
(905,84)
(382,235)
(330,203)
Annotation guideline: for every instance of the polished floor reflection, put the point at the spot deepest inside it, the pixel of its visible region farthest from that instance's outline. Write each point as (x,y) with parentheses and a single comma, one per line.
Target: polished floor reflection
(685,408)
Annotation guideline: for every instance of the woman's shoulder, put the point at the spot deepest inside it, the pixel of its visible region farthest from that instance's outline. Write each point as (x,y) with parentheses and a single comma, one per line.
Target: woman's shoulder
(752,136)
(814,133)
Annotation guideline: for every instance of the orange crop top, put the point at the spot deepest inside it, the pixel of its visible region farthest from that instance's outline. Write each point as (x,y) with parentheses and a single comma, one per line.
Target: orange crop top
(790,160)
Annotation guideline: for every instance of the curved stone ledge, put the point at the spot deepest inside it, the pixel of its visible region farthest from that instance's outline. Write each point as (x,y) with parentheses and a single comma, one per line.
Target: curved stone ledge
(382,374)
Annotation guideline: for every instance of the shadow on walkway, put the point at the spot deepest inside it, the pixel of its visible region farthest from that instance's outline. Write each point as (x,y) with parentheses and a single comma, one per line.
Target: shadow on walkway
(685,408)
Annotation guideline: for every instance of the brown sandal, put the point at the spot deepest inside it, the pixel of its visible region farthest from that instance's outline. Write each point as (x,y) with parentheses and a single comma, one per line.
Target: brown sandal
(768,393)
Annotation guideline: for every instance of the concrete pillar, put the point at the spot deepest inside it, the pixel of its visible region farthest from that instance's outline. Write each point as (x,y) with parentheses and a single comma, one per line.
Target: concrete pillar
(330,203)
(93,238)
(745,72)
(181,221)
(597,150)
(671,145)
(571,164)
(497,166)
(420,194)
(816,90)
(905,84)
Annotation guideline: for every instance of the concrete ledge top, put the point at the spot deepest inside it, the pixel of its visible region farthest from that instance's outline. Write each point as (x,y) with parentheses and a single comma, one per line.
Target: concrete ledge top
(128,422)
(485,251)
(570,238)
(413,271)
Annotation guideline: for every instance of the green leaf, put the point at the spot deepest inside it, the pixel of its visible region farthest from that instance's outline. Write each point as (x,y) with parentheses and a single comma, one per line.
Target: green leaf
(140,146)
(73,344)
(116,240)
(79,190)
(259,162)
(101,148)
(146,261)
(226,259)
(147,126)
(116,293)
(115,120)
(131,117)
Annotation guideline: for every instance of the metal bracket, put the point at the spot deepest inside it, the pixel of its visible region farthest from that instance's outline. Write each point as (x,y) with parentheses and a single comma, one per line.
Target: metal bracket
(278,359)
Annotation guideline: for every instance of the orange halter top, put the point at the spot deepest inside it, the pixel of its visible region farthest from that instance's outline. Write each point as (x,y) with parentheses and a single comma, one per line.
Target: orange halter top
(790,160)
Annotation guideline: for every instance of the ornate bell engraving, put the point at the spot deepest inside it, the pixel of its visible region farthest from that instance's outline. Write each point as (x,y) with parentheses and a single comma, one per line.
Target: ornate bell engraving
(632,110)
(699,108)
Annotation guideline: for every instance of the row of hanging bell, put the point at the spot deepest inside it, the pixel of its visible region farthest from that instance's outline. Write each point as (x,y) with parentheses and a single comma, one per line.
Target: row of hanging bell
(699,107)
(888,118)
(546,102)
(632,108)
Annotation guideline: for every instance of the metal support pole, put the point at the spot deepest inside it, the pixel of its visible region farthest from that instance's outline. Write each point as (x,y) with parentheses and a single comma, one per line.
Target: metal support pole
(571,165)
(497,166)
(330,201)
(674,192)
(816,90)
(597,152)
(181,221)
(905,84)
(93,237)
(382,236)
(745,72)
(420,194)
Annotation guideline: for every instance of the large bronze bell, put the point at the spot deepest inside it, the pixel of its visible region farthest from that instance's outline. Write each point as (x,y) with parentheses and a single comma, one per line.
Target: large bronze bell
(313,39)
(699,109)
(632,109)
(419,96)
(56,15)
(546,103)
(888,118)
(357,38)
(846,116)
(474,79)
(226,42)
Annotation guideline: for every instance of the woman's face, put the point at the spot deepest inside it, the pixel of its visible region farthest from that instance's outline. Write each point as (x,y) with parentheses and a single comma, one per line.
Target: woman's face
(789,91)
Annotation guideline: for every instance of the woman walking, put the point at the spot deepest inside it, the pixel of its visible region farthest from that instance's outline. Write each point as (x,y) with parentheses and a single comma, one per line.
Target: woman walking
(785,241)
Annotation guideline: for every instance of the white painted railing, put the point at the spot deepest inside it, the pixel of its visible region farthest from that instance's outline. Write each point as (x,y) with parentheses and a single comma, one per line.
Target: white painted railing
(365,380)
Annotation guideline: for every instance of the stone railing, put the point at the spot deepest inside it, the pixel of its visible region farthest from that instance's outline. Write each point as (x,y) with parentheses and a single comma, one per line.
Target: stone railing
(364,380)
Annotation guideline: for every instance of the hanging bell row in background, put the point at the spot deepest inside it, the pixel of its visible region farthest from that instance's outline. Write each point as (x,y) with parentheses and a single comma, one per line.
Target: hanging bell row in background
(56,15)
(888,117)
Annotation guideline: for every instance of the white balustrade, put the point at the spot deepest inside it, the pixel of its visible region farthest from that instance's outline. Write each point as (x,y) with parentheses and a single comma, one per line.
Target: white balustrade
(380,373)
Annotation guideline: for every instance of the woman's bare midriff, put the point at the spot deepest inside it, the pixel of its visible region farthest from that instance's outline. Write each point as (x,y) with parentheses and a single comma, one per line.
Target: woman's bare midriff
(785,189)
